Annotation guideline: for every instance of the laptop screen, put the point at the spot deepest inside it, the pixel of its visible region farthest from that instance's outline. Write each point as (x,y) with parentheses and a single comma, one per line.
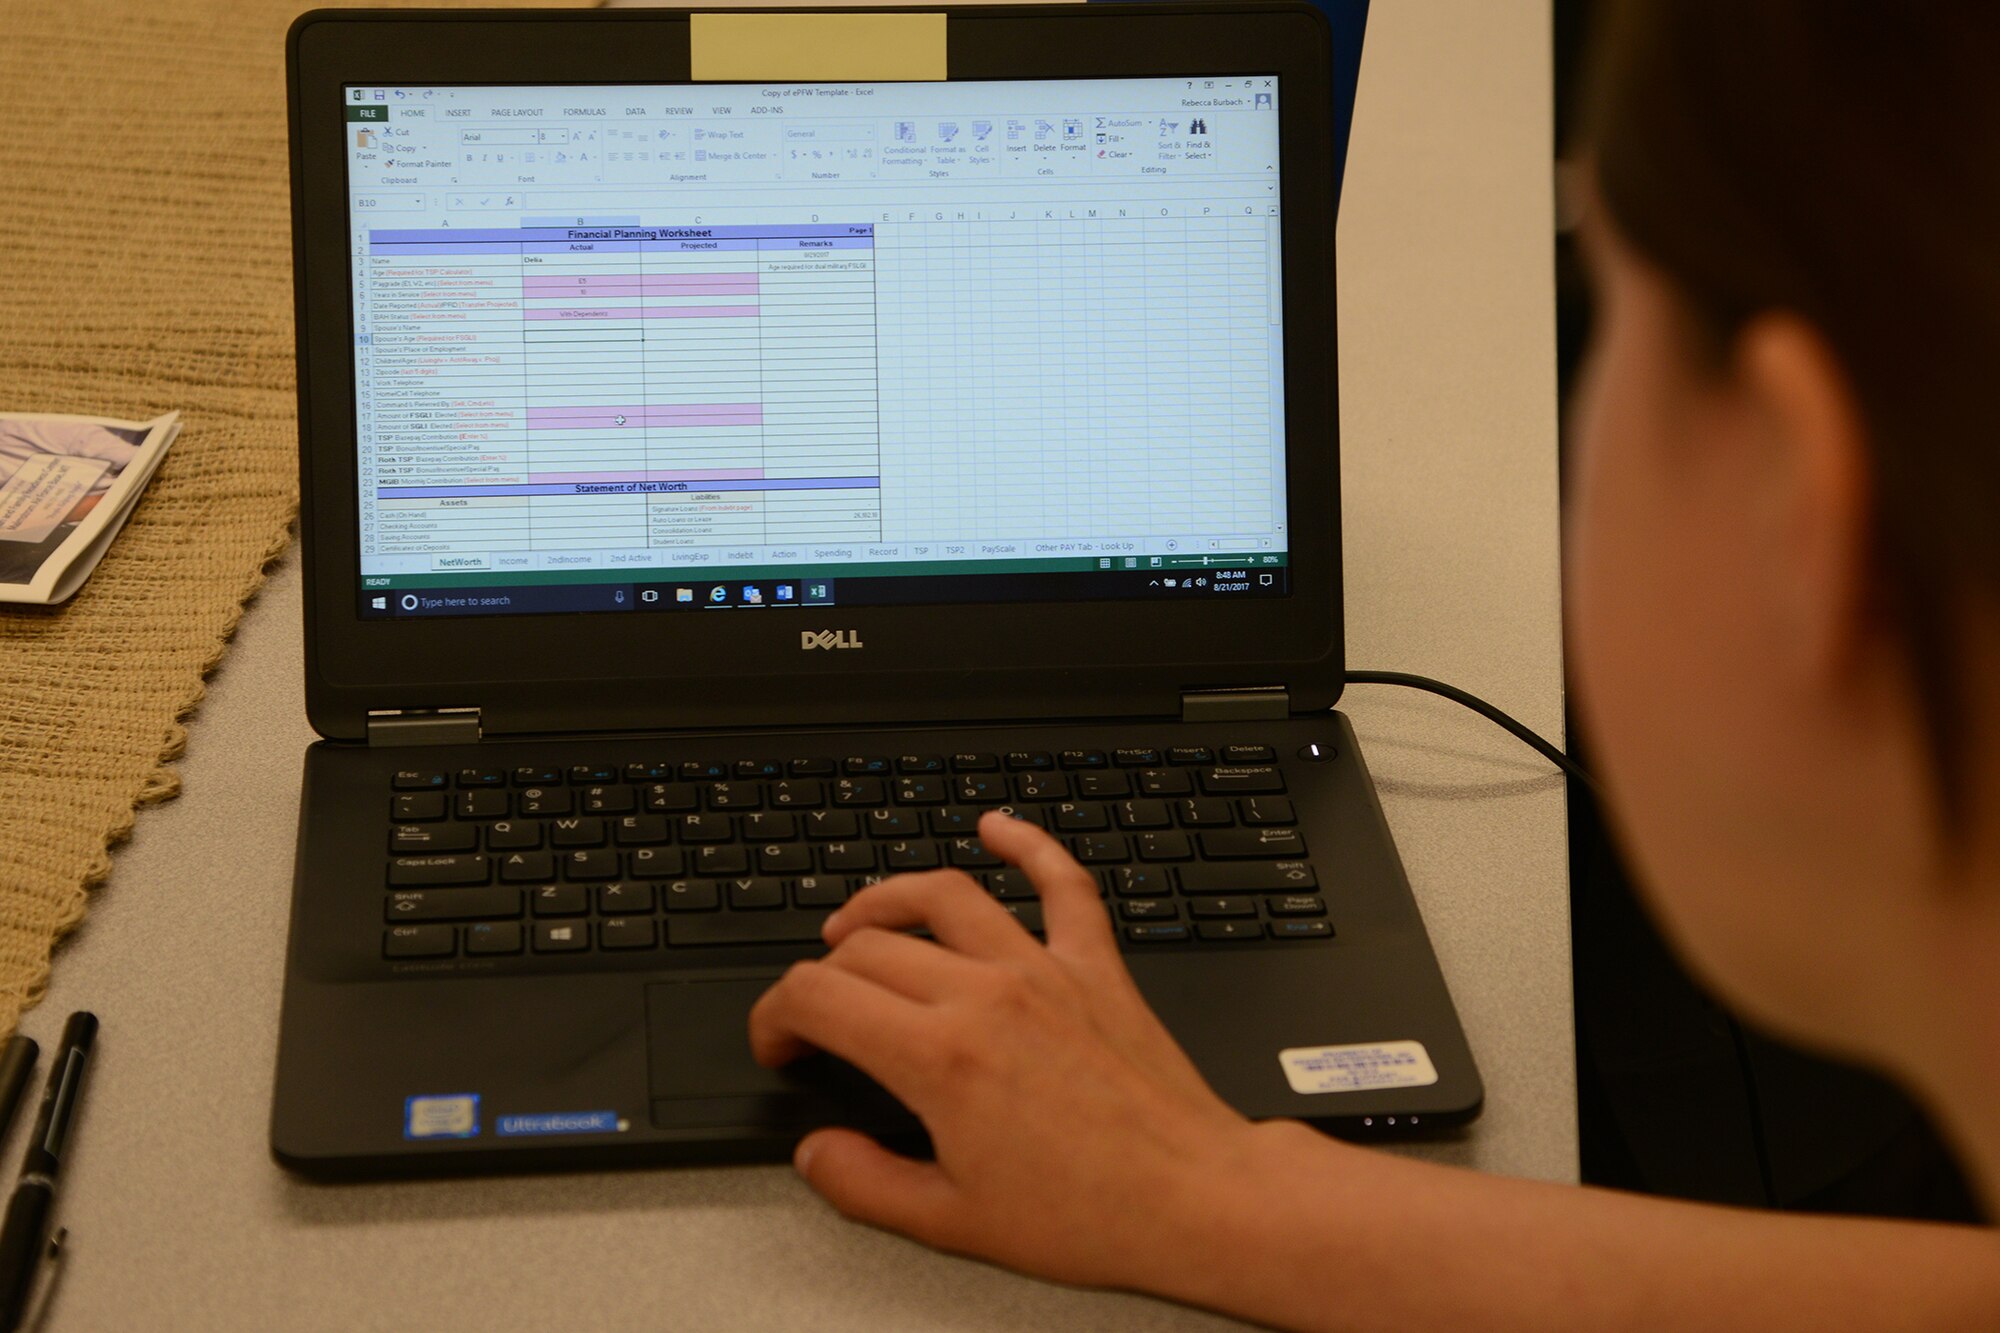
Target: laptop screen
(675,348)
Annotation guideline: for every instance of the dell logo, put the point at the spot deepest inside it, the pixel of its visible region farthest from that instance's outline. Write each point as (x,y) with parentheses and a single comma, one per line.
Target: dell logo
(829,638)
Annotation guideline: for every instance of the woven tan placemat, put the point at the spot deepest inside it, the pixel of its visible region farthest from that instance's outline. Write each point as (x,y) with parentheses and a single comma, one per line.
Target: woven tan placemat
(145,265)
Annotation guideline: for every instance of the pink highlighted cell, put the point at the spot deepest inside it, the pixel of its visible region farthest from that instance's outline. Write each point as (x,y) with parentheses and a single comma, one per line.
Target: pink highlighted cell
(570,312)
(642,284)
(643,415)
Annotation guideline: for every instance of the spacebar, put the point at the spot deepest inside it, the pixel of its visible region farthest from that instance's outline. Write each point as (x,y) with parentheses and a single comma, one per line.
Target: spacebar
(745,928)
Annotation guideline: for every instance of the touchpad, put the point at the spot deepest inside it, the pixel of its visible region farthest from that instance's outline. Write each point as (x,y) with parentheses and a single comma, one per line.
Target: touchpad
(702,1076)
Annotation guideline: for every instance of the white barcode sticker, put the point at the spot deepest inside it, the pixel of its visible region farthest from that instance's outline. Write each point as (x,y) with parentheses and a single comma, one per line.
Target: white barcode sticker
(1359,1068)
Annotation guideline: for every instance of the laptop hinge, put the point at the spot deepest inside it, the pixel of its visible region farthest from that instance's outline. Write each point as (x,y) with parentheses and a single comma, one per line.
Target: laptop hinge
(1257,703)
(423,726)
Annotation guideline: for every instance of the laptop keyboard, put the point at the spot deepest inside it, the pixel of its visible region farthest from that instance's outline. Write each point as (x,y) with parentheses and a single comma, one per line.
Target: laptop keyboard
(1189,845)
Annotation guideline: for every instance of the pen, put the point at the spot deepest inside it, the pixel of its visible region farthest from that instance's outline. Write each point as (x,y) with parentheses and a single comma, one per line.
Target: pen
(15,1065)
(24,1234)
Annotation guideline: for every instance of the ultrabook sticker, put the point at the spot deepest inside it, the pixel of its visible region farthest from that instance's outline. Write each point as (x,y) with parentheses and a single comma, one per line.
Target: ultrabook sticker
(1360,1068)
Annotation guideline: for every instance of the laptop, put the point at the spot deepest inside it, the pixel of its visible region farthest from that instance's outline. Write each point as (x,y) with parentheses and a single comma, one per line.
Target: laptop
(717,494)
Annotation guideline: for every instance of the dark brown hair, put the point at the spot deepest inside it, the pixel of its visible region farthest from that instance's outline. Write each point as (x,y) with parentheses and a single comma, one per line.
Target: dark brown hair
(1839,160)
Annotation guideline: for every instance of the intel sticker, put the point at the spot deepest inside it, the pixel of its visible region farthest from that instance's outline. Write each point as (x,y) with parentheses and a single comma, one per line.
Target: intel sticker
(1362,1068)
(453,1117)
(560,1122)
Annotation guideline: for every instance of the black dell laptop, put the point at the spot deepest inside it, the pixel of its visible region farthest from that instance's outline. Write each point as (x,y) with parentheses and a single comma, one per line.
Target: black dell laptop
(719,493)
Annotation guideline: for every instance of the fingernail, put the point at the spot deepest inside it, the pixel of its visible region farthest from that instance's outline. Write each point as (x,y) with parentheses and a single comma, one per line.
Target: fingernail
(802,1159)
(826,926)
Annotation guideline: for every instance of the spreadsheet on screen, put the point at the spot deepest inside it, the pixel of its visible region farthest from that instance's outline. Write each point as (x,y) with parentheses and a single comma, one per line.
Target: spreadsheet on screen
(948,341)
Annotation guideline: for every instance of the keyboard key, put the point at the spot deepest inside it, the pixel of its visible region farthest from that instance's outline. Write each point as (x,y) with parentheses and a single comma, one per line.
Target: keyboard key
(1083,759)
(537,775)
(1238,844)
(543,801)
(672,798)
(820,890)
(1241,781)
(1163,933)
(894,823)
(425,871)
(452,905)
(1300,930)
(795,795)
(1103,786)
(847,856)
(562,937)
(577,831)
(721,861)
(704,771)
(920,763)
(417,779)
(980,790)
(512,835)
(639,830)
(1248,754)
(706,828)
(590,864)
(527,867)
(920,791)
(858,791)
(1230,930)
(864,766)
(1165,782)
(756,894)
(587,774)
(622,897)
(764,827)
(627,932)
(1149,909)
(1041,786)
(758,768)
(419,942)
(1190,754)
(482,777)
(691,895)
(1164,847)
(1267,810)
(1009,885)
(486,804)
(1070,817)
(1136,758)
(657,770)
(975,763)
(1100,848)
(811,768)
(418,805)
(784,858)
(734,796)
(609,800)
(1205,812)
(1241,905)
(1144,814)
(1269,877)
(657,862)
(782,927)
(902,856)
(832,824)
(493,937)
(433,838)
(1029,760)
(1028,914)
(954,822)
(1296,904)
(559,899)
(1141,882)
(971,854)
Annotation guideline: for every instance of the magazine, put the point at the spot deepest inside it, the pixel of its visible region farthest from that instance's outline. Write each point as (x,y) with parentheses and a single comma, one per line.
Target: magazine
(67,485)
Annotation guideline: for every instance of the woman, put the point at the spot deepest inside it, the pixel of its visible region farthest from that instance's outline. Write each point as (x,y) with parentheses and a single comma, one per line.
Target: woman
(1786,627)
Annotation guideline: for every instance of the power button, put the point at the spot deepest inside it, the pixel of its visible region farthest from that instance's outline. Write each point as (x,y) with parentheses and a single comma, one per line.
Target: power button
(1315,752)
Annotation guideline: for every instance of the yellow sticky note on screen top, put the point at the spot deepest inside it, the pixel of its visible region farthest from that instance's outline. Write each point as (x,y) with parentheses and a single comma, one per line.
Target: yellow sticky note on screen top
(809,48)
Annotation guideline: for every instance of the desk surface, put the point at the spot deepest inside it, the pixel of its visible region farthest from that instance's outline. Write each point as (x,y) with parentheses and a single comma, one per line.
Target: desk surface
(178,1217)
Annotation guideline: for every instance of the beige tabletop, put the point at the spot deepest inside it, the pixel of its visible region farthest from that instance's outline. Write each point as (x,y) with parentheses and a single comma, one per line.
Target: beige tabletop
(179,1219)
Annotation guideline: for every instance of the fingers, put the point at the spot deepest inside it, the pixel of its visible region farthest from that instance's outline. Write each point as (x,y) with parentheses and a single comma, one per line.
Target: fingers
(915,969)
(868,1183)
(947,903)
(817,1007)
(1072,915)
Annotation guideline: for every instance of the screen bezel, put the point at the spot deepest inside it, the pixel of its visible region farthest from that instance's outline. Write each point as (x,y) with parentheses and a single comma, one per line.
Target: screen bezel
(548,673)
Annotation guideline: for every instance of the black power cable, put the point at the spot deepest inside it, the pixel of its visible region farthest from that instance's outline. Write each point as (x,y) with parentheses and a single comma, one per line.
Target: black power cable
(1485,710)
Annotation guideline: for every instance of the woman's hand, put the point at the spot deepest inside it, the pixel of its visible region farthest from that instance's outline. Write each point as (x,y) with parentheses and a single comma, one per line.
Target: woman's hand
(1074,1138)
